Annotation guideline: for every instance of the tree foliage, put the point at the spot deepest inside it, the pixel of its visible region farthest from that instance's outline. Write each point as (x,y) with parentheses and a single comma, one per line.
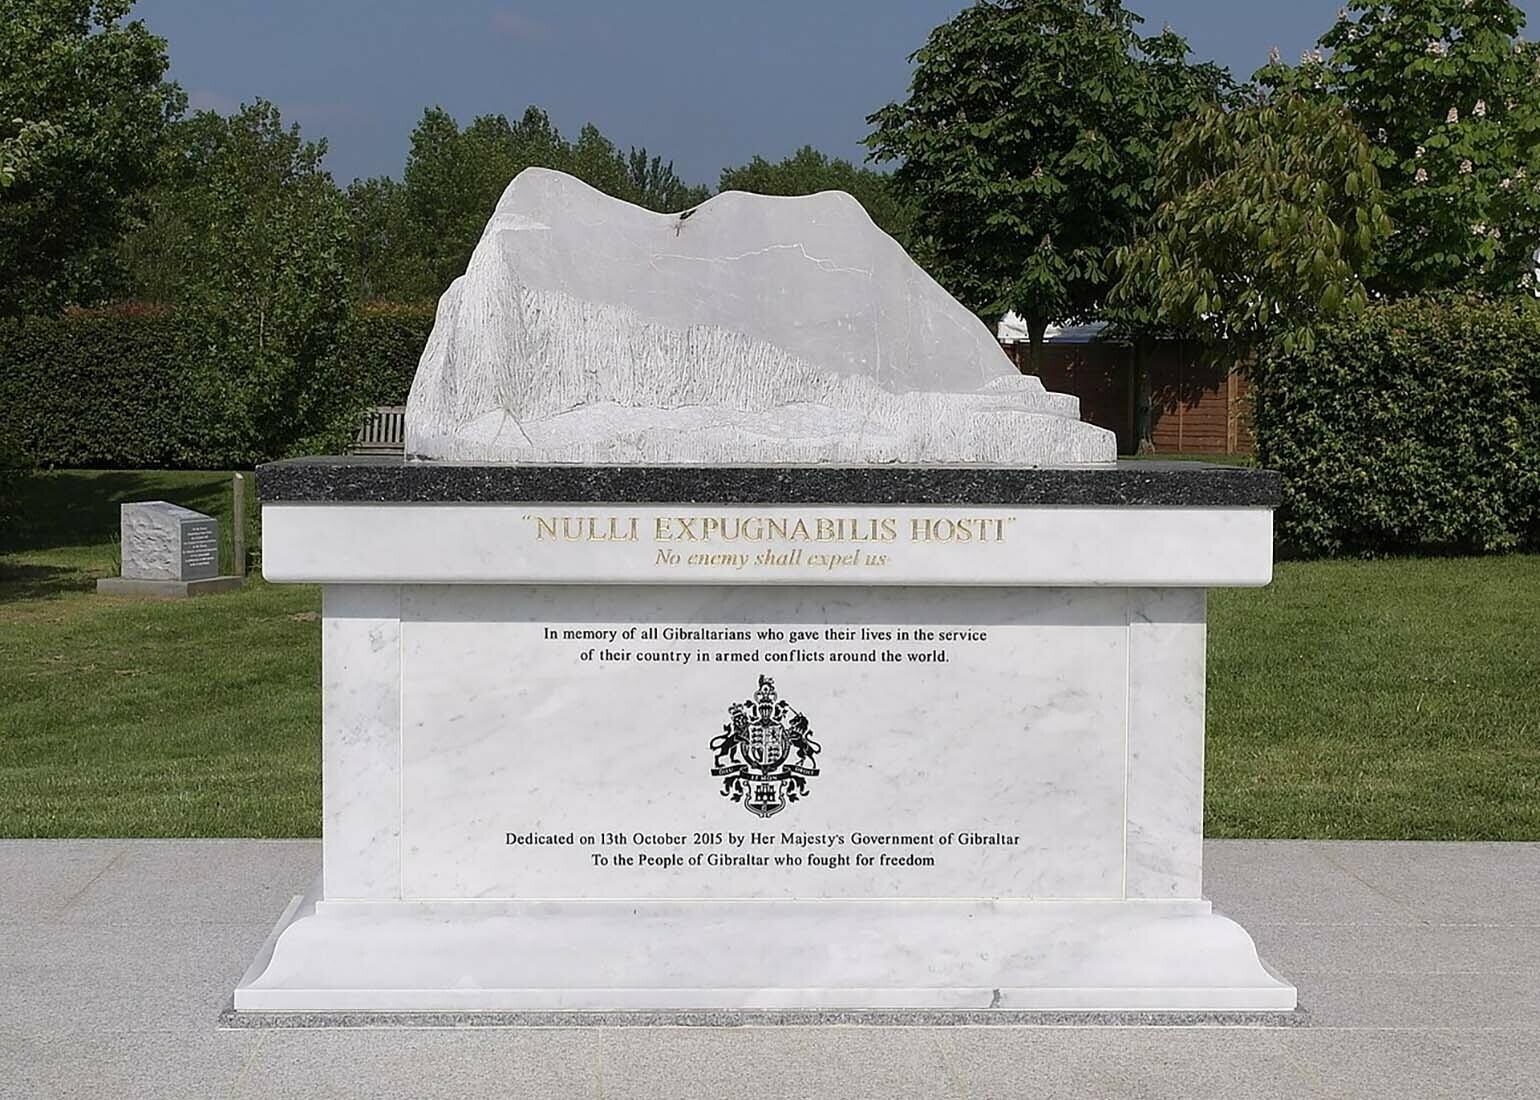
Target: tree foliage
(413,238)
(248,233)
(1268,214)
(385,265)
(807,172)
(85,110)
(22,147)
(654,185)
(1028,143)
(1451,96)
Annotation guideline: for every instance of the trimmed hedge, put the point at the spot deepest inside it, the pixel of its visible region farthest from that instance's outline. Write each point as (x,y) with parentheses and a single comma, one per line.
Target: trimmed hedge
(383,346)
(1414,427)
(129,388)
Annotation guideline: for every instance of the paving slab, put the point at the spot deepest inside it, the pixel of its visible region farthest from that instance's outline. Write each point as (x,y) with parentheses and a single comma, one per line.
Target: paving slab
(1416,963)
(1418,949)
(176,976)
(39,878)
(55,1059)
(1461,1002)
(1176,1063)
(1436,881)
(378,1065)
(1294,882)
(850,1063)
(213,882)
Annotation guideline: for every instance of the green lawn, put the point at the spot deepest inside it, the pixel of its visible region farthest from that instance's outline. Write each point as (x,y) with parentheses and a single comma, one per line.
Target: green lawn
(1389,699)
(1394,699)
(121,717)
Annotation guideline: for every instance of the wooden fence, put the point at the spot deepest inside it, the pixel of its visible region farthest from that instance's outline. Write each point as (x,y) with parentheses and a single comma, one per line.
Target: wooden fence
(1195,407)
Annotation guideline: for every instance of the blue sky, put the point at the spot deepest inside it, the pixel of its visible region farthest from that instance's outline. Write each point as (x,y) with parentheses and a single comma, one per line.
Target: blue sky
(707,83)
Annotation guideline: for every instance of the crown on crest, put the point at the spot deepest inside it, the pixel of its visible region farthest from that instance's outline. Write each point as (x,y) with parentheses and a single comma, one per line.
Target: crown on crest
(765,695)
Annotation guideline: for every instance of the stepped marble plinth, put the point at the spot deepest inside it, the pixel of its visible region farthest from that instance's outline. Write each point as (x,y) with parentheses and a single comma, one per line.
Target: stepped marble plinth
(608,738)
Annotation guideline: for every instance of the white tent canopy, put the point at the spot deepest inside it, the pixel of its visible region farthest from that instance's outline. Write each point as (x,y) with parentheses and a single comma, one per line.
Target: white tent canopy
(1013,330)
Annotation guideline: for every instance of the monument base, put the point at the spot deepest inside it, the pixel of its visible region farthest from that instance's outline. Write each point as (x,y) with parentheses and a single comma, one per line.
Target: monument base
(740,739)
(466,956)
(166,590)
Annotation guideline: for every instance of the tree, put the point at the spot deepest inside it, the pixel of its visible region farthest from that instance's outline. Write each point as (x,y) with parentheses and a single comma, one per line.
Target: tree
(807,171)
(450,186)
(386,261)
(632,176)
(1028,144)
(249,236)
(594,159)
(655,186)
(91,111)
(454,177)
(1268,214)
(23,147)
(1451,96)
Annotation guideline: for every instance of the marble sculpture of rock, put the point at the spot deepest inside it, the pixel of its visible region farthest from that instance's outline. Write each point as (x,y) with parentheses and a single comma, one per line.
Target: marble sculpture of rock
(749,329)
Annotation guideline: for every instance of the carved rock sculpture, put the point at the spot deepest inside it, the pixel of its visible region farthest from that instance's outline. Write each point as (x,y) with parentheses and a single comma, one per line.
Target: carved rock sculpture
(750,329)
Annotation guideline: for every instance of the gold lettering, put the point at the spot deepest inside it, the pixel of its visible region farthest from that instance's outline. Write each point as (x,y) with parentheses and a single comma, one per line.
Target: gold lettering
(586,528)
(964,529)
(770,529)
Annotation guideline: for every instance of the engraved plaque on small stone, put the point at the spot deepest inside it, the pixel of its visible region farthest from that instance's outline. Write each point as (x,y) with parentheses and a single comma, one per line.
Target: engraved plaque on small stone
(166,542)
(200,549)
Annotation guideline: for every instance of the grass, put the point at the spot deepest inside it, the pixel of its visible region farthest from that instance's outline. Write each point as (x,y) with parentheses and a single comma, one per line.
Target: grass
(1389,699)
(121,717)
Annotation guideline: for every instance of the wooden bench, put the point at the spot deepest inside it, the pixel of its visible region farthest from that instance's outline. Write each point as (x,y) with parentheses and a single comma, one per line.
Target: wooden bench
(382,432)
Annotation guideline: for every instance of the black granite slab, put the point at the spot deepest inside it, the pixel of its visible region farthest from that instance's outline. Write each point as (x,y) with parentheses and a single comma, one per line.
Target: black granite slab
(1130,484)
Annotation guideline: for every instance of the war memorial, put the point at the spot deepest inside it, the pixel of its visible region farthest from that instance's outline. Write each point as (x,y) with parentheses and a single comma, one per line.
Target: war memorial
(742,632)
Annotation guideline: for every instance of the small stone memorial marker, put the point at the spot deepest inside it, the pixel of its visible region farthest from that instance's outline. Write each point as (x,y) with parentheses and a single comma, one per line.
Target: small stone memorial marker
(168,551)
(166,542)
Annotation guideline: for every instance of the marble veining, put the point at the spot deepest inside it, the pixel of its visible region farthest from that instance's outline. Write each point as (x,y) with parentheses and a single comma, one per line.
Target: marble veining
(1164,842)
(361,741)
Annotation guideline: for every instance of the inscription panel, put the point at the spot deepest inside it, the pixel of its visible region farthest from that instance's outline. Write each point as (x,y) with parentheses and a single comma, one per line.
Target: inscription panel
(705,742)
(200,549)
(691,544)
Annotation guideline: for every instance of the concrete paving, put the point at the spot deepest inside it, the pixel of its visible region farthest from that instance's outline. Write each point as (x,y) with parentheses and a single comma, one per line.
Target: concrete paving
(1418,964)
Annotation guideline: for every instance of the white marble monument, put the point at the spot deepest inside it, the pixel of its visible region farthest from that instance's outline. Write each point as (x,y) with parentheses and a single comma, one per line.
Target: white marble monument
(747,635)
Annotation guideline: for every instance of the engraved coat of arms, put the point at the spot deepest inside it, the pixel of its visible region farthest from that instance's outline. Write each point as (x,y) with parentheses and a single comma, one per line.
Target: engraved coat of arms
(754,752)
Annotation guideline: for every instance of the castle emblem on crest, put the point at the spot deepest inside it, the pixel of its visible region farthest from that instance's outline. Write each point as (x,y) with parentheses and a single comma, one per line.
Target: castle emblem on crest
(753,755)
